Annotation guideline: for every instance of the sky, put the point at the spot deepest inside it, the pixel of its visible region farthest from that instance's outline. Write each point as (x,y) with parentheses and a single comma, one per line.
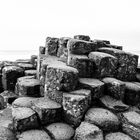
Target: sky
(24,24)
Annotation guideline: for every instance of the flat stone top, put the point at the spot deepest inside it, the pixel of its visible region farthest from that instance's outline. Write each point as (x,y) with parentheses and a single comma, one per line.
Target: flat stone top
(87,128)
(7,93)
(23,61)
(113,50)
(63,67)
(31,71)
(132,117)
(6,63)
(132,86)
(25,77)
(46,103)
(49,59)
(78,56)
(29,82)
(22,113)
(100,115)
(117,136)
(113,103)
(61,131)
(25,65)
(99,55)
(73,41)
(12,68)
(84,92)
(100,41)
(91,82)
(112,80)
(34,56)
(73,96)
(34,135)
(24,101)
(117,51)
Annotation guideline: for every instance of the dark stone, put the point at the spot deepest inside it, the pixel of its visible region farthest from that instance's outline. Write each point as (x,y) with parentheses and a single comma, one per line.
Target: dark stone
(10,74)
(127,63)
(82,63)
(82,37)
(114,88)
(105,65)
(80,47)
(74,107)
(88,131)
(132,93)
(103,118)
(95,85)
(24,119)
(51,46)
(47,110)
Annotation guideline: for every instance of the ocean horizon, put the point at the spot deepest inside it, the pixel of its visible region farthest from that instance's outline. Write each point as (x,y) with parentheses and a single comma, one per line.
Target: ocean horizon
(12,55)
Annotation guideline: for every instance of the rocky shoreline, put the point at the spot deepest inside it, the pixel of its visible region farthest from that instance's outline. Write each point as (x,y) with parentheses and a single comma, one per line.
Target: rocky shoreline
(74,89)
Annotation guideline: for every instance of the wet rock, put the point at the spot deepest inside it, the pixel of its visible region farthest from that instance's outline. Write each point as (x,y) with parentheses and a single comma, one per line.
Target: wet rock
(87,131)
(80,47)
(82,63)
(117,136)
(61,131)
(131,124)
(82,37)
(34,135)
(51,46)
(10,75)
(114,88)
(127,63)
(104,64)
(95,85)
(103,118)
(74,107)
(24,119)
(131,96)
(47,110)
(113,104)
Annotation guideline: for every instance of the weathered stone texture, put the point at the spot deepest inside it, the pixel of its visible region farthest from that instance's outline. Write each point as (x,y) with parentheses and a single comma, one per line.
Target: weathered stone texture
(105,65)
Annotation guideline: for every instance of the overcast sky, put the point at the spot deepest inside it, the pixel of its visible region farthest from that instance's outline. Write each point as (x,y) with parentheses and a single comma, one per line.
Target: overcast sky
(24,24)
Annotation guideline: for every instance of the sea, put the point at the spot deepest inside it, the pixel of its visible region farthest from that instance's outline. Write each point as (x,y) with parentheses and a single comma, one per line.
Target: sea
(12,55)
